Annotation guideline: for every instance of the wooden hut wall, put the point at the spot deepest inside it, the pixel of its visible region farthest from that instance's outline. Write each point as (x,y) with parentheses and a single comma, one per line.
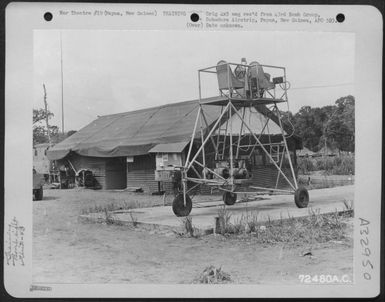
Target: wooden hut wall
(141,173)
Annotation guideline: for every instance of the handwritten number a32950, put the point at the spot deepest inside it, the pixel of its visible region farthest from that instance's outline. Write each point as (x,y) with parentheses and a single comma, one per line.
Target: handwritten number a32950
(364,242)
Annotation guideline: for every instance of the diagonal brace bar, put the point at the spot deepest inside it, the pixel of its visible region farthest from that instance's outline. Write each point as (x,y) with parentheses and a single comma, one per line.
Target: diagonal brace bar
(264,149)
(188,164)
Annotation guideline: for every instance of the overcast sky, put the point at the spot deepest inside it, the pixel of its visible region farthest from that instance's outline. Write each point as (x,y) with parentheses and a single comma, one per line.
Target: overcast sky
(109,72)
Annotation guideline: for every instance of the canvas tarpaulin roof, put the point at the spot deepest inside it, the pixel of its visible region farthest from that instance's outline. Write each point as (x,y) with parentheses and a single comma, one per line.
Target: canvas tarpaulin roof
(134,133)
(169,148)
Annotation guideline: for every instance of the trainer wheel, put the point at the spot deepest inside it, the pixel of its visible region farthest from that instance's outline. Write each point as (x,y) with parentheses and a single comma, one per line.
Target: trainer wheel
(301,197)
(229,198)
(178,206)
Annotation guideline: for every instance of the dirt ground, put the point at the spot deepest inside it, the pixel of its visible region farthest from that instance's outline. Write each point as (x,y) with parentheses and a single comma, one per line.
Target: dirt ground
(66,250)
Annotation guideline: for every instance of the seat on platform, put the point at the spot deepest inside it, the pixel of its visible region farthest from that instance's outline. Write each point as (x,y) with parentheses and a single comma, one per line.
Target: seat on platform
(260,81)
(227,80)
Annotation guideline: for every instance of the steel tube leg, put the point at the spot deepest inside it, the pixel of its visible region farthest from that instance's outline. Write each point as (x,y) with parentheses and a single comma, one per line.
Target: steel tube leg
(231,151)
(184,190)
(286,147)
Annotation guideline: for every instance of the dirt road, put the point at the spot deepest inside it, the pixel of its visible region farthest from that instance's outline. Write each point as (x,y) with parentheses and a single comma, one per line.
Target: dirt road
(66,250)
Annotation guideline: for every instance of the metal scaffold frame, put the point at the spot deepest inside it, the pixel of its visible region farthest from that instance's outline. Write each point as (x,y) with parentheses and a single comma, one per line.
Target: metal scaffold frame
(220,137)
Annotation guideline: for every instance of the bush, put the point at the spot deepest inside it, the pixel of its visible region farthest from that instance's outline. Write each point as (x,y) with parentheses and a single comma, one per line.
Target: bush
(326,164)
(305,165)
(213,275)
(338,165)
(345,166)
(337,160)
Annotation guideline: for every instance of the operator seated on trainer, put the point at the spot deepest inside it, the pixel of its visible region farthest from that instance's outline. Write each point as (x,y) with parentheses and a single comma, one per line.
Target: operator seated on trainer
(255,77)
(245,82)
(228,83)
(260,81)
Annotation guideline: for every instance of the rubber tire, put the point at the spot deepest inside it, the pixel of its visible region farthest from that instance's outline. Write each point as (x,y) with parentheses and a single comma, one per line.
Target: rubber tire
(178,205)
(229,198)
(39,194)
(301,197)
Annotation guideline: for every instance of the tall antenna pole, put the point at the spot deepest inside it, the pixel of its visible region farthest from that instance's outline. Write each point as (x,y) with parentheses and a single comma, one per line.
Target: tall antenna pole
(46,115)
(61,70)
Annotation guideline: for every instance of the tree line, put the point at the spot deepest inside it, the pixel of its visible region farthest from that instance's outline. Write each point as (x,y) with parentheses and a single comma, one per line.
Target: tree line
(40,131)
(331,126)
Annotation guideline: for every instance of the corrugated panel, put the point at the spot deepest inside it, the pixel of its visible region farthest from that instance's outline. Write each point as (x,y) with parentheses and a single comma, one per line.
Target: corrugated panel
(141,173)
(144,179)
(266,176)
(142,162)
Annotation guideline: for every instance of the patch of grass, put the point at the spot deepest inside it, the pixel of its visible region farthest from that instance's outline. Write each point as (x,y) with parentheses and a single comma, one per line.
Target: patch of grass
(238,227)
(315,228)
(213,275)
(134,220)
(188,227)
(109,218)
(252,222)
(247,223)
(110,207)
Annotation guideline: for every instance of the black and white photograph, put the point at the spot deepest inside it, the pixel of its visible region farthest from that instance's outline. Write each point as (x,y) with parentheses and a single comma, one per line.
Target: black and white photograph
(193,157)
